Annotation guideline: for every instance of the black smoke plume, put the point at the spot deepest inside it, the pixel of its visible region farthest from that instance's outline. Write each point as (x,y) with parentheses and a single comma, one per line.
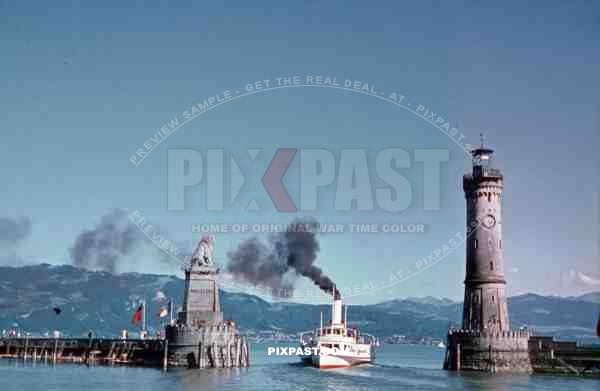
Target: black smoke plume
(14,230)
(106,245)
(101,247)
(292,252)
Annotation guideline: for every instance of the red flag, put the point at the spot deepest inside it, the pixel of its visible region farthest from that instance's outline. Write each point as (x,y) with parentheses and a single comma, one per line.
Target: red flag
(137,315)
(598,326)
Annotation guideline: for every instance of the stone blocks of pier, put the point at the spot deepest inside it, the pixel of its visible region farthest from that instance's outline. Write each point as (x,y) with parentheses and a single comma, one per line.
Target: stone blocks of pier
(211,346)
(488,351)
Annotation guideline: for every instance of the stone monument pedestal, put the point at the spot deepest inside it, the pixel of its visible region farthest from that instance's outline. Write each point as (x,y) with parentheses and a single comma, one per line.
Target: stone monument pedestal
(200,338)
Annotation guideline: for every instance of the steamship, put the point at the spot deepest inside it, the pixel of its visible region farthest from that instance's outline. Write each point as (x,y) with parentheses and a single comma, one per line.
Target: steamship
(336,345)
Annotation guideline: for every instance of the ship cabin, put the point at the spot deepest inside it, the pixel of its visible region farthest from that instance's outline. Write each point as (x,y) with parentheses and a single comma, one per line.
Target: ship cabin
(337,331)
(338,337)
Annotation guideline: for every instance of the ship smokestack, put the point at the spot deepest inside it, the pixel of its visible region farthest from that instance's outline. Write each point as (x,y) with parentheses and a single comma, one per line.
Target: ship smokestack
(336,293)
(336,316)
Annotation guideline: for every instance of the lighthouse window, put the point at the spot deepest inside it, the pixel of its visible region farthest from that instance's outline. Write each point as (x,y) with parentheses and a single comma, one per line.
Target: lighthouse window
(500,243)
(492,299)
(491,265)
(489,197)
(475,243)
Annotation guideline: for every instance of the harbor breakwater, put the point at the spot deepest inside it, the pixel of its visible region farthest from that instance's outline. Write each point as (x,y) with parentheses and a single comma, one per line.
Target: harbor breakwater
(134,352)
(213,348)
(519,352)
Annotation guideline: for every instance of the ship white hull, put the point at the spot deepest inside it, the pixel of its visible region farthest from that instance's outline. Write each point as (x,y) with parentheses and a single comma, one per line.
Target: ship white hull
(342,359)
(338,361)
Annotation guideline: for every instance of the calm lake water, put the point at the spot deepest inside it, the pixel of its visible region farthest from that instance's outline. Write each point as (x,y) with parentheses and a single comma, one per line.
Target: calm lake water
(398,367)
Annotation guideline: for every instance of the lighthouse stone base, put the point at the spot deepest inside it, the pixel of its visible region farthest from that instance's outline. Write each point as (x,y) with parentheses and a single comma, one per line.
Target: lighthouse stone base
(488,351)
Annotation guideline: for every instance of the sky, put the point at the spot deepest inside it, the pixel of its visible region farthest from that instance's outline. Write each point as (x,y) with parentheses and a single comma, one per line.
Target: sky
(83,87)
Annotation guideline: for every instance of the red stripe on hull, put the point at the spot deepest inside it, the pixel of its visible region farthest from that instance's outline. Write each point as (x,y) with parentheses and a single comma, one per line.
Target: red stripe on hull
(333,366)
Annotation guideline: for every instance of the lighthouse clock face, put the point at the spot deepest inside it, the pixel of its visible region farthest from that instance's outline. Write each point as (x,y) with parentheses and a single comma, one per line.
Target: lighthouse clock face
(489,221)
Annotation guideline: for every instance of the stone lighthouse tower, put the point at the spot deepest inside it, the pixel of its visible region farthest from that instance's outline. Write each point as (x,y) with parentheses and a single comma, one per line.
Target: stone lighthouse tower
(485,296)
(485,342)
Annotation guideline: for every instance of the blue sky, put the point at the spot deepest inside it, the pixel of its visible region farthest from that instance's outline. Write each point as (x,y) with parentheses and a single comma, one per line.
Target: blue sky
(83,87)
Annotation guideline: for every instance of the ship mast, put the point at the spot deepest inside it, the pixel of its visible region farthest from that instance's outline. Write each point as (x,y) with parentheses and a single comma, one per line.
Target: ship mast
(321,330)
(332,304)
(346,315)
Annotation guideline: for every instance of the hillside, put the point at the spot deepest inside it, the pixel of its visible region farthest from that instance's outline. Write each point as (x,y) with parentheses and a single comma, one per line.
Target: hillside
(104,302)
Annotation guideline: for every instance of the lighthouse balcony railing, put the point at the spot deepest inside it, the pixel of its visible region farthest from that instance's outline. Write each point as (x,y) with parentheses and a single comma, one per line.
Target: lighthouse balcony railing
(500,334)
(484,172)
(489,172)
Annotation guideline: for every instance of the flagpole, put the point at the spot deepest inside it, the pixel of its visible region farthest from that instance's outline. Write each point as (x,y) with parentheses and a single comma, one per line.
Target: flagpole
(332,303)
(144,315)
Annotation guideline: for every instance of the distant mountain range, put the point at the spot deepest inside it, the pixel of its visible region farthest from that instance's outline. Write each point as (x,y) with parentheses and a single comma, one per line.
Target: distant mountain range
(593,297)
(104,302)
